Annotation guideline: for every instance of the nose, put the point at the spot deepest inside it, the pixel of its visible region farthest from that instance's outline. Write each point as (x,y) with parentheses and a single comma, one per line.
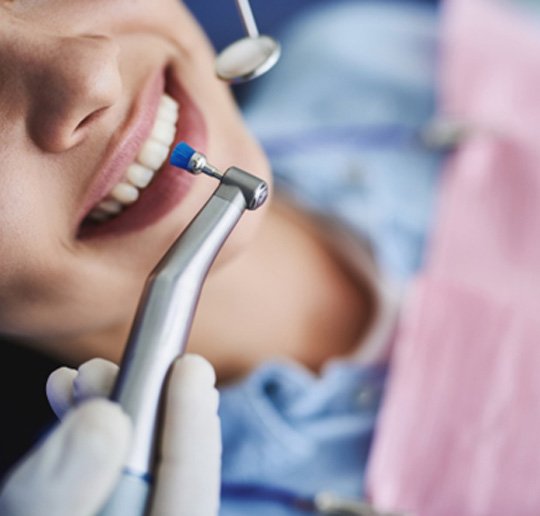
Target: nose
(75,80)
(60,84)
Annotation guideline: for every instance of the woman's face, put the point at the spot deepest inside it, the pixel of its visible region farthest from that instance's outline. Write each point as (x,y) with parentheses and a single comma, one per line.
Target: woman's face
(83,119)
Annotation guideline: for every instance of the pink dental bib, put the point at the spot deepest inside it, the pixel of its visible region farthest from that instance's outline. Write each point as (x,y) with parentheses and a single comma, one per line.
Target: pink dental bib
(459,432)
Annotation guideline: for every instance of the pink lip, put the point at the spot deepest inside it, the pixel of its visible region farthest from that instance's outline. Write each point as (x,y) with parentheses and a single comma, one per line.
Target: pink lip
(170,184)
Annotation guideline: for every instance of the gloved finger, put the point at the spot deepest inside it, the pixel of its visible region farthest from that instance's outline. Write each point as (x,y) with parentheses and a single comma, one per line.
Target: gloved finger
(66,387)
(59,390)
(74,469)
(188,476)
(95,379)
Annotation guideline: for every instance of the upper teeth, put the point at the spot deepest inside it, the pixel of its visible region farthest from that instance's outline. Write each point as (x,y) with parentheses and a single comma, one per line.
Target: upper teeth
(152,155)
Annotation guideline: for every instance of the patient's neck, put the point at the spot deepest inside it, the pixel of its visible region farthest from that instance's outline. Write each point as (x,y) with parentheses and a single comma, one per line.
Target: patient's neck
(286,296)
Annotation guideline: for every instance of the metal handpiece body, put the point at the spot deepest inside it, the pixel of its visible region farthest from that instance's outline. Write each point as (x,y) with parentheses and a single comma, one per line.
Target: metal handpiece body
(161,329)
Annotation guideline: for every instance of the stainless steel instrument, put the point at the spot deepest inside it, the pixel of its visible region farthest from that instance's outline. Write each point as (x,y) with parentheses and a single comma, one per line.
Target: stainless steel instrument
(164,318)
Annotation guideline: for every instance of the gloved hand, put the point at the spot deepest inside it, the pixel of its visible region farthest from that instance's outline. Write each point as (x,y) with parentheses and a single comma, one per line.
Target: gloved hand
(75,468)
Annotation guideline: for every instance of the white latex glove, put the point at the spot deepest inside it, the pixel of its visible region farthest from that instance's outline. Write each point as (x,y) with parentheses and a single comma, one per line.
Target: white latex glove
(73,471)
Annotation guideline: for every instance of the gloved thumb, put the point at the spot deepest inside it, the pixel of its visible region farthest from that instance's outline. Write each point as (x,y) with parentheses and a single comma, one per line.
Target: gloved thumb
(188,475)
(74,469)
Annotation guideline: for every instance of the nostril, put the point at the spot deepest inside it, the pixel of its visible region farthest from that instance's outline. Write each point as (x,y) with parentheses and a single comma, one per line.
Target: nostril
(87,120)
(57,131)
(75,82)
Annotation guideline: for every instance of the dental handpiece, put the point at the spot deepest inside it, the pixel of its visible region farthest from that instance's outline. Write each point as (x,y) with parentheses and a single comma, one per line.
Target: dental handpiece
(164,318)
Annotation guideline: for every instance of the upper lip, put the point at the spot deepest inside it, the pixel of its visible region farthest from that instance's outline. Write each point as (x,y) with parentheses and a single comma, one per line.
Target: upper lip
(125,144)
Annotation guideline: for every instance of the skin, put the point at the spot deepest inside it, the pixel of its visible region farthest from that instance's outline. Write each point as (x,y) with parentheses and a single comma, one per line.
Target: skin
(69,74)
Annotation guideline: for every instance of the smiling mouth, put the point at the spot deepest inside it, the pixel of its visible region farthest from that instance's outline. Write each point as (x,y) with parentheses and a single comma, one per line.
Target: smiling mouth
(151,157)
(135,186)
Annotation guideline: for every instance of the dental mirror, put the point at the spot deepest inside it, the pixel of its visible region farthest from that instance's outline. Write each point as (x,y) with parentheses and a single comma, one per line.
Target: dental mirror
(250,56)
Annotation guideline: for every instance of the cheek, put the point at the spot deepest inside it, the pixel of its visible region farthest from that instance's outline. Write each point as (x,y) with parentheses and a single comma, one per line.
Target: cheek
(29,293)
(55,297)
(48,288)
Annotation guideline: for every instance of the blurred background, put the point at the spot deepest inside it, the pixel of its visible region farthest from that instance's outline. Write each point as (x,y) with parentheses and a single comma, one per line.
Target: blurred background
(222,23)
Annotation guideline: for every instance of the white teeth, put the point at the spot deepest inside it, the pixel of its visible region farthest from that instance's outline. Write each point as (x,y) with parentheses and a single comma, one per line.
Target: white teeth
(98,215)
(125,193)
(163,132)
(168,101)
(140,173)
(153,154)
(166,112)
(110,206)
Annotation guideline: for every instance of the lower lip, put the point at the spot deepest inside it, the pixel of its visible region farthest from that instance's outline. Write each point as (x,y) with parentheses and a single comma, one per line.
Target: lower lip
(170,184)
